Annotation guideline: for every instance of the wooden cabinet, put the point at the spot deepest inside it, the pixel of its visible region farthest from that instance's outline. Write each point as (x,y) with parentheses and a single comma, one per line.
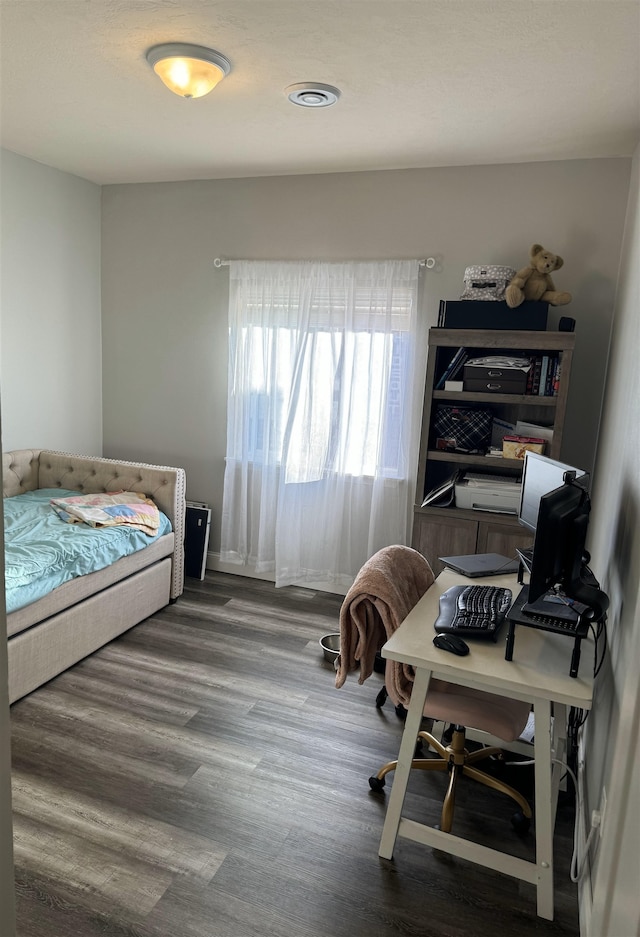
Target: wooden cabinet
(442,532)
(446,531)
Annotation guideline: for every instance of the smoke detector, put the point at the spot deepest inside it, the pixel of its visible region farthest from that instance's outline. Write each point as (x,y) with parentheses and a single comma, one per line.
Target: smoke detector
(312,94)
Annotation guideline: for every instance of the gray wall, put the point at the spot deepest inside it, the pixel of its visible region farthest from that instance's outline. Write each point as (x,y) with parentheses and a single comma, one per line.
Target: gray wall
(7,890)
(50,360)
(50,329)
(165,305)
(612,732)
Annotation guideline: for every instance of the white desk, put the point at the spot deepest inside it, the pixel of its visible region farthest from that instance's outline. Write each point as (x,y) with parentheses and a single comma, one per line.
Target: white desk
(538,673)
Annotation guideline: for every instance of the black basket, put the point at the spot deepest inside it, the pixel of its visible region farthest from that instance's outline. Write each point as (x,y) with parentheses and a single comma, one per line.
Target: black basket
(462,429)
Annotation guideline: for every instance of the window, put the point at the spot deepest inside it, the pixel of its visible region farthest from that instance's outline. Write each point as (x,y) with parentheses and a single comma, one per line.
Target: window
(321,398)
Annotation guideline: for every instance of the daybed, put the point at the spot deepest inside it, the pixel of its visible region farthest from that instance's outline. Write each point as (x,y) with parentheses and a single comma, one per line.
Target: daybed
(79,616)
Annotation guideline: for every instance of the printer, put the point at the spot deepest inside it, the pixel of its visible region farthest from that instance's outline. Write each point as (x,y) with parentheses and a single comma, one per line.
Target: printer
(482,492)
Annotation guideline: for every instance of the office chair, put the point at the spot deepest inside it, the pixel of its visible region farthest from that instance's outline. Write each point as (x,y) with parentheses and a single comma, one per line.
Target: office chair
(382,595)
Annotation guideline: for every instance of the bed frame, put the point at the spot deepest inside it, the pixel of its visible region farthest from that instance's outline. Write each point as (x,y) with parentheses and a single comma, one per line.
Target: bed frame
(77,618)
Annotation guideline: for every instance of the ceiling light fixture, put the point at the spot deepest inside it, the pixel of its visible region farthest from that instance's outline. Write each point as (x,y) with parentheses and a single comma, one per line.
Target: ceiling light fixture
(187,70)
(312,94)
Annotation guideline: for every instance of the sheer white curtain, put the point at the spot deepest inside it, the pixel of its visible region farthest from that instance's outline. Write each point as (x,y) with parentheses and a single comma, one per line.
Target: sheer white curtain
(323,415)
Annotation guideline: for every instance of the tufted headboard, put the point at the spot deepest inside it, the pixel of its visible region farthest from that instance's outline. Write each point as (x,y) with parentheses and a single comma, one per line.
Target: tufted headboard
(28,469)
(19,471)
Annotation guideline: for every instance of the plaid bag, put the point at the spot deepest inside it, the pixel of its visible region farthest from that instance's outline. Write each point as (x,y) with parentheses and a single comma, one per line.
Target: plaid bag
(462,429)
(488,282)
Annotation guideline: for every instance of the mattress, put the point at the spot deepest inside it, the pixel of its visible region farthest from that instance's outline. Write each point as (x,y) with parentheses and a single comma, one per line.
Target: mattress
(42,552)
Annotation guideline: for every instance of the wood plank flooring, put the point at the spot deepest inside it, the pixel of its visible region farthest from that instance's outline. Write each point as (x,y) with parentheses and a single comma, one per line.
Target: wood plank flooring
(202,777)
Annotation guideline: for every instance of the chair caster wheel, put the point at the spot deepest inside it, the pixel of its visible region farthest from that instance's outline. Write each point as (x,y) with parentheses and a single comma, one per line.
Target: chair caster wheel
(381,698)
(401,712)
(376,784)
(520,823)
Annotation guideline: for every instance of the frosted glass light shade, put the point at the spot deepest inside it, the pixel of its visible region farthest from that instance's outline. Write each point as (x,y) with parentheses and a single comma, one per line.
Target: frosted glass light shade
(187,70)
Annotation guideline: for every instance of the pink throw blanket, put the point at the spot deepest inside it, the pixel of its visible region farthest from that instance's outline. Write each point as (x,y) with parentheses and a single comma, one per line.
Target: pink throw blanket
(111,509)
(384,592)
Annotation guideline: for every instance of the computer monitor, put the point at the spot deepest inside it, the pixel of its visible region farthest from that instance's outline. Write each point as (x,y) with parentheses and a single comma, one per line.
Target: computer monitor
(559,545)
(539,476)
(560,560)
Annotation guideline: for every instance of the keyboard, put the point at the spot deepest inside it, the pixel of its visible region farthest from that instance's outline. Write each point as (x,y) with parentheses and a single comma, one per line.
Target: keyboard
(473,611)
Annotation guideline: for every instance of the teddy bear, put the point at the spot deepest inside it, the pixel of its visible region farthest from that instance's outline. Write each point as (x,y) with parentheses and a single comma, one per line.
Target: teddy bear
(534,282)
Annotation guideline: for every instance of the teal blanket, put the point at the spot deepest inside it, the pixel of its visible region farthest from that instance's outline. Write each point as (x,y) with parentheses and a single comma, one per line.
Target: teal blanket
(42,552)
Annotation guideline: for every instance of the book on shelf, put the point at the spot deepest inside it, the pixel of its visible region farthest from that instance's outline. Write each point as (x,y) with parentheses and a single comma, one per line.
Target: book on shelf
(459,365)
(530,373)
(556,376)
(544,367)
(549,377)
(544,375)
(550,381)
(537,367)
(553,381)
(500,428)
(453,368)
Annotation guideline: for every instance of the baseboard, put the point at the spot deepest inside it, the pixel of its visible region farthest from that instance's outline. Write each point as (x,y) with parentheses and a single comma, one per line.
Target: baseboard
(584,909)
(584,883)
(238,569)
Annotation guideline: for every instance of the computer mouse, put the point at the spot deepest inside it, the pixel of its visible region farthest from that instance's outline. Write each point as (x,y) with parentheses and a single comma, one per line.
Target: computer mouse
(451,642)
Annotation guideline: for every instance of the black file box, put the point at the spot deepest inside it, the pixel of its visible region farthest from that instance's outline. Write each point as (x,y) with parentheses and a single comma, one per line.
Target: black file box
(196,541)
(487,314)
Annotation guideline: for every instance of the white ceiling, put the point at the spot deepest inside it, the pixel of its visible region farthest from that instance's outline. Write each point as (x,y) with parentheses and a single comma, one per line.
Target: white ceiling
(424,83)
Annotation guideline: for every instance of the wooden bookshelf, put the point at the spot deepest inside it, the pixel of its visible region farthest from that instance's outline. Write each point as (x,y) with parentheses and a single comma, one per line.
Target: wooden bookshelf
(443,531)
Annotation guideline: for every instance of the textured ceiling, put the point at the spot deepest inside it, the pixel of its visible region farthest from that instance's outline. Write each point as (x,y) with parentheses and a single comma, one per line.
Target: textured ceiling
(424,83)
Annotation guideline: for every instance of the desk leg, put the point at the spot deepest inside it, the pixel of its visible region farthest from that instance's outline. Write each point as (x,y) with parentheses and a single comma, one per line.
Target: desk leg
(511,636)
(545,808)
(575,658)
(405,757)
(559,748)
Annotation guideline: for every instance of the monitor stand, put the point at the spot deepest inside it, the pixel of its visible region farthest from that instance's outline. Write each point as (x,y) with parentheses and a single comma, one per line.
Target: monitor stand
(571,621)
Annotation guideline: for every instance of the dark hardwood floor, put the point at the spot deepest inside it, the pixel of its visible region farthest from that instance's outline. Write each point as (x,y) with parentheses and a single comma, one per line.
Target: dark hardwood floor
(202,777)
